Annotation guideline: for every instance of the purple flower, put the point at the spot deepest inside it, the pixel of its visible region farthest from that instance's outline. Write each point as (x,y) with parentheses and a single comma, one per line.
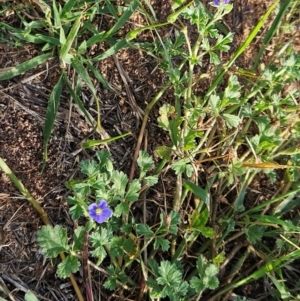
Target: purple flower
(220,2)
(100,212)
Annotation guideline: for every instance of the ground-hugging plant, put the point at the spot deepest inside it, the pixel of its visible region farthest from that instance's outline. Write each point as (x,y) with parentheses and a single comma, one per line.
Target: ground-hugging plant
(215,154)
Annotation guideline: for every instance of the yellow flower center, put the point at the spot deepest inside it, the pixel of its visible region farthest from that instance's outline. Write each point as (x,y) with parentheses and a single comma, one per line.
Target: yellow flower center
(98,211)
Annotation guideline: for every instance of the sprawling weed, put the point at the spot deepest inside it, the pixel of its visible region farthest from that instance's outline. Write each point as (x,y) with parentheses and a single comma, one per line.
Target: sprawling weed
(215,238)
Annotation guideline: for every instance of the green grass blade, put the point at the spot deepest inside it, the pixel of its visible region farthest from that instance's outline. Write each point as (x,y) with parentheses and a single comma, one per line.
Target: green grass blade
(8,73)
(82,72)
(263,205)
(87,25)
(120,22)
(92,143)
(64,51)
(124,18)
(68,7)
(274,221)
(48,39)
(280,285)
(241,49)
(56,15)
(45,8)
(22,34)
(111,51)
(261,272)
(98,75)
(252,34)
(97,38)
(51,115)
(276,23)
(77,99)
(111,9)
(202,194)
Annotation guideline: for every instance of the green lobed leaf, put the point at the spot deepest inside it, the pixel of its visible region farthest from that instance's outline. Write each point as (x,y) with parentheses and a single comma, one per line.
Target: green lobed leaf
(213,283)
(169,223)
(81,188)
(122,208)
(219,259)
(211,270)
(161,242)
(110,284)
(78,238)
(132,194)
(155,291)
(89,168)
(154,266)
(164,152)
(197,284)
(201,264)
(169,274)
(101,237)
(144,229)
(52,240)
(151,180)
(100,253)
(180,166)
(69,265)
(231,120)
(103,157)
(254,234)
(120,180)
(165,112)
(214,58)
(145,162)
(76,211)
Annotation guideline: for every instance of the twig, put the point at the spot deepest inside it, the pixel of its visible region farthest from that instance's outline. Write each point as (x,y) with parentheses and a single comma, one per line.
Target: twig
(85,268)
(143,127)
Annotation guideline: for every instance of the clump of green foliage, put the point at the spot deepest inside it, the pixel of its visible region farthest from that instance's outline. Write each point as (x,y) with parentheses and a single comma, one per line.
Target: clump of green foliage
(214,154)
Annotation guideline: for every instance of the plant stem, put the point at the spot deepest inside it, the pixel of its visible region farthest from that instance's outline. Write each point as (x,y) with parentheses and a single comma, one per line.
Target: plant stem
(19,185)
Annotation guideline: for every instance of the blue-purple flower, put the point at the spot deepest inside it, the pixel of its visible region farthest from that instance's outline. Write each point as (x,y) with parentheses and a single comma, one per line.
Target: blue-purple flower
(218,3)
(100,212)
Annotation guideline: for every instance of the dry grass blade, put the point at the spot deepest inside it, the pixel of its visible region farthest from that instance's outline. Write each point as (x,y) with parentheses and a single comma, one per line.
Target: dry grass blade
(131,98)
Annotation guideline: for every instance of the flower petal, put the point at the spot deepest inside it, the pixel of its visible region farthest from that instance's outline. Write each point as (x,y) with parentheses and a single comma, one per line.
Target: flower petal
(107,213)
(92,210)
(103,204)
(104,212)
